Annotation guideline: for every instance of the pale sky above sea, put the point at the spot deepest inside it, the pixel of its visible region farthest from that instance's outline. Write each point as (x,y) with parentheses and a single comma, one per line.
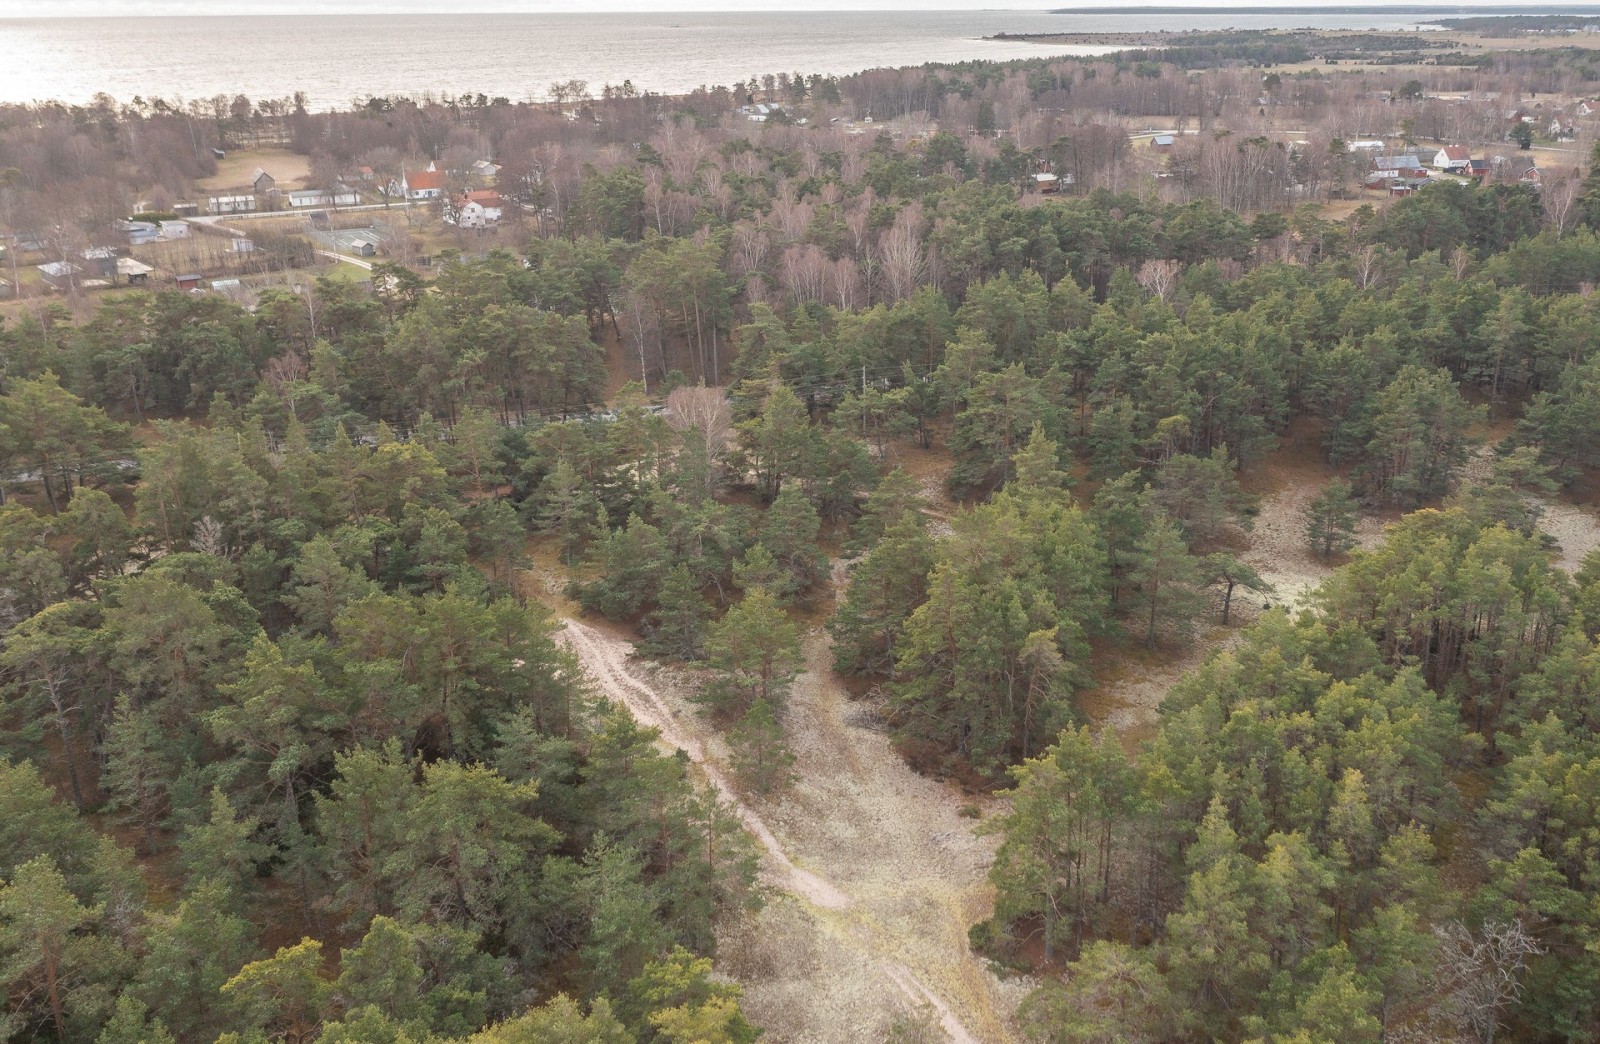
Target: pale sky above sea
(191,8)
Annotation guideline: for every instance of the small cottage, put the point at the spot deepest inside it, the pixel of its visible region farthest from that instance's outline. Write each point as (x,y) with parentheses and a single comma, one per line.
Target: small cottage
(262,182)
(231,204)
(478,209)
(1453,159)
(99,263)
(141,232)
(420,184)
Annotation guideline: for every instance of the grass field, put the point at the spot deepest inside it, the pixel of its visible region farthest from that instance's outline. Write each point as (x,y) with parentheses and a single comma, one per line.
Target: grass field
(289,169)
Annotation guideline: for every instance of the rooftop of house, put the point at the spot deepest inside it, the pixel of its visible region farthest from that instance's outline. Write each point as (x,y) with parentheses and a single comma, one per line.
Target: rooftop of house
(424,179)
(1456,153)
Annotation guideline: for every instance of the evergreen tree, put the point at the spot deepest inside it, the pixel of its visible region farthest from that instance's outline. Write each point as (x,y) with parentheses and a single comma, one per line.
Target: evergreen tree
(756,650)
(1331,520)
(760,757)
(789,531)
(46,959)
(677,627)
(1226,571)
(569,510)
(1167,577)
(885,587)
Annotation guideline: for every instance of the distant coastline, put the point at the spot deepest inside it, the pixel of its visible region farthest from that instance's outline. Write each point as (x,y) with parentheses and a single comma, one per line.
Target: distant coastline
(1464,10)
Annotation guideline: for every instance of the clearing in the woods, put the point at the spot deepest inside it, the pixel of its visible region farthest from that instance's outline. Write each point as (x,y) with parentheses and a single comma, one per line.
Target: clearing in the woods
(874,873)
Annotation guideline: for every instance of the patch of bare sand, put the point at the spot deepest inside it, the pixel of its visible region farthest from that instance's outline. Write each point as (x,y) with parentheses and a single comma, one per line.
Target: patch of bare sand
(877,875)
(1128,691)
(1575,527)
(1278,549)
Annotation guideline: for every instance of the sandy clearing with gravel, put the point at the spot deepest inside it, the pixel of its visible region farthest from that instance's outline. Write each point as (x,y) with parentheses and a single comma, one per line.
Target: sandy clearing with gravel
(877,875)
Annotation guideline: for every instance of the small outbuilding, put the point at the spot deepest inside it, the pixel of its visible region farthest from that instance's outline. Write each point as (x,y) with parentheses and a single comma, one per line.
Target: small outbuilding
(60,275)
(141,232)
(99,262)
(188,282)
(232,204)
(133,272)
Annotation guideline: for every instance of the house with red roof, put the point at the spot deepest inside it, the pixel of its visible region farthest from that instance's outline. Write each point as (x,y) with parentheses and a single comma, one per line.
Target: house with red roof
(478,209)
(420,184)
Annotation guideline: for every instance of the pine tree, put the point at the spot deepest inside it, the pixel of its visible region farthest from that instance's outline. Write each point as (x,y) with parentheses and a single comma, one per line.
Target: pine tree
(885,587)
(39,923)
(223,849)
(569,510)
(138,770)
(760,757)
(677,627)
(285,995)
(1331,520)
(1226,571)
(756,649)
(189,953)
(1167,576)
(789,531)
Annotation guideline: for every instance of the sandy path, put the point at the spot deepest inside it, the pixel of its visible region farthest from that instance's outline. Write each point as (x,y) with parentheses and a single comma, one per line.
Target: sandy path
(879,928)
(605,660)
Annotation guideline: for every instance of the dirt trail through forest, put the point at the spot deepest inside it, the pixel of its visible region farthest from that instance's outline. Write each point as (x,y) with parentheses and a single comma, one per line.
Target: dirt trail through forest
(878,928)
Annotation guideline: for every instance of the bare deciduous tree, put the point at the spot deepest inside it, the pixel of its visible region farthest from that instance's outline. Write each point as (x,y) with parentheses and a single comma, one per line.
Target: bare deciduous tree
(1481,972)
(1160,276)
(706,411)
(905,263)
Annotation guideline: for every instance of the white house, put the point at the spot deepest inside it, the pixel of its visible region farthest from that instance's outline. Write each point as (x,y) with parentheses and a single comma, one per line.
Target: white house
(419,184)
(141,232)
(231,204)
(342,196)
(59,274)
(477,209)
(1453,159)
(174,229)
(759,112)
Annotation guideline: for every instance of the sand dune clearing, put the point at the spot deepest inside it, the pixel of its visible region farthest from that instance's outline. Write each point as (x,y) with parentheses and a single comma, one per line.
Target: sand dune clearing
(875,873)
